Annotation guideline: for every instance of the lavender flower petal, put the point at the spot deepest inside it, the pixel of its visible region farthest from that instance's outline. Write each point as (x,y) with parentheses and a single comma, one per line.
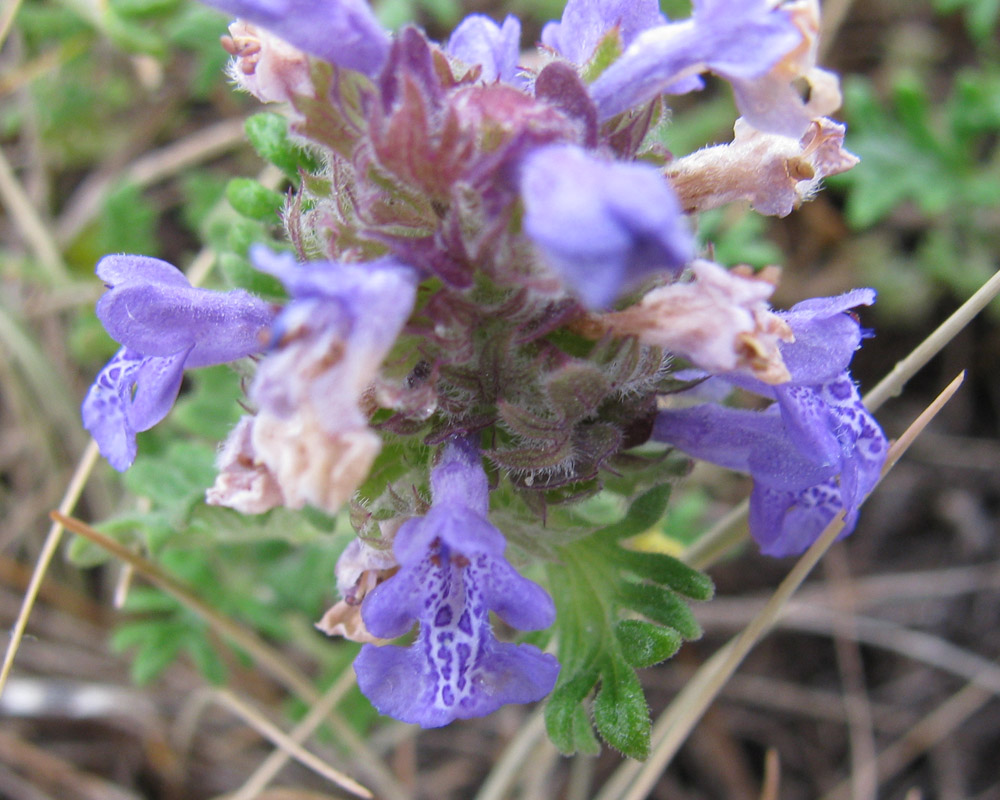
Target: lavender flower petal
(585,22)
(151,308)
(601,225)
(815,451)
(479,40)
(452,573)
(737,39)
(341,32)
(166,326)
(826,335)
(105,407)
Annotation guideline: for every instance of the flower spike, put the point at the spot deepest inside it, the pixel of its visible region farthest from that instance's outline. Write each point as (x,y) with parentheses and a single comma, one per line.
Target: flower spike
(452,574)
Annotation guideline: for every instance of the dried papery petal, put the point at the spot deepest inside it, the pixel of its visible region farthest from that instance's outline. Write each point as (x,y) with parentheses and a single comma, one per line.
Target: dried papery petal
(244,483)
(363,566)
(328,345)
(720,321)
(775,173)
(311,465)
(343,619)
(265,66)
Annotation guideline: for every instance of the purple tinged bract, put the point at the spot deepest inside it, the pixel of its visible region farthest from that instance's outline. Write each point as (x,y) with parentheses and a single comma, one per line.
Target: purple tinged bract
(341,32)
(165,326)
(736,39)
(479,40)
(814,452)
(452,574)
(601,225)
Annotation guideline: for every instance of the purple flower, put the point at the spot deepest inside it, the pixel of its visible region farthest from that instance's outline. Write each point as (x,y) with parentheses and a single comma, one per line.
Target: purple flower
(452,574)
(479,40)
(599,224)
(165,326)
(341,32)
(738,39)
(585,22)
(815,451)
(310,437)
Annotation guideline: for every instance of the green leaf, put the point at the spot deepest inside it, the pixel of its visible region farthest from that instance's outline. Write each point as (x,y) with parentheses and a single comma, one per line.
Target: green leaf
(175,479)
(127,223)
(268,133)
(206,659)
(620,711)
(253,200)
(212,408)
(646,510)
(566,719)
(593,584)
(644,644)
(142,9)
(145,600)
(660,605)
(608,50)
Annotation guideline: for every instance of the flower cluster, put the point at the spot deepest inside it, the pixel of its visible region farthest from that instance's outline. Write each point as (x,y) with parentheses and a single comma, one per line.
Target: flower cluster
(496,263)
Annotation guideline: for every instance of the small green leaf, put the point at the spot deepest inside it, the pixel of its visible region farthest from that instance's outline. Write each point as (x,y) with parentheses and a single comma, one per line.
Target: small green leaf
(620,712)
(154,657)
(206,659)
(660,605)
(144,600)
(644,644)
(608,50)
(252,200)
(142,9)
(566,719)
(175,479)
(646,510)
(268,133)
(666,570)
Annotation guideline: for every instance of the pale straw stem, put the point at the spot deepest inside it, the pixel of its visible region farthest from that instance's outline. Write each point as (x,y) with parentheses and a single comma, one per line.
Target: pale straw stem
(32,227)
(256,720)
(273,764)
(73,492)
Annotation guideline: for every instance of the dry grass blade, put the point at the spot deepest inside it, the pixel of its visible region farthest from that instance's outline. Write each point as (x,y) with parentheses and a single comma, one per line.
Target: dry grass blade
(272,765)
(507,769)
(269,659)
(923,736)
(633,781)
(772,776)
(892,384)
(34,230)
(266,728)
(73,492)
